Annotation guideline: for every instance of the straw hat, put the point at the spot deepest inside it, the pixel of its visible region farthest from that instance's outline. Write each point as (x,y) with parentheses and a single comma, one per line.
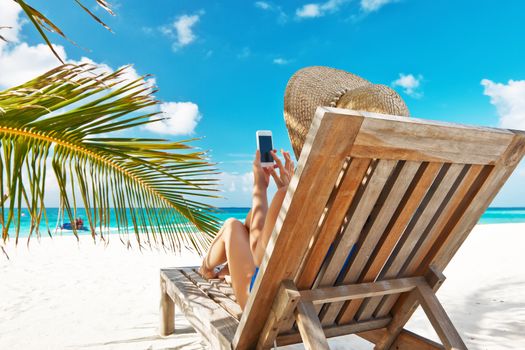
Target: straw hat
(312,87)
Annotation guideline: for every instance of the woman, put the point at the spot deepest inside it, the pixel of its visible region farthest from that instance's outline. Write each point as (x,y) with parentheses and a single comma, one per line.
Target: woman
(242,245)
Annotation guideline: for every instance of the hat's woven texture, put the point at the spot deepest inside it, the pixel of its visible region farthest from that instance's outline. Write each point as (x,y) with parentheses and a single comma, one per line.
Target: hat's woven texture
(312,87)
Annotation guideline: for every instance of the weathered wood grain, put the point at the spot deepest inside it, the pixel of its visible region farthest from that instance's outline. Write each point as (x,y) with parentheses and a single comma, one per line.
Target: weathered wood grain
(439,318)
(215,324)
(359,291)
(416,228)
(385,208)
(326,148)
(282,309)
(214,293)
(335,331)
(310,327)
(167,311)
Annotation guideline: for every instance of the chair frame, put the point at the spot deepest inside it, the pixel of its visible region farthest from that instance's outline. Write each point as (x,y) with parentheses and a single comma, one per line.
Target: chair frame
(406,192)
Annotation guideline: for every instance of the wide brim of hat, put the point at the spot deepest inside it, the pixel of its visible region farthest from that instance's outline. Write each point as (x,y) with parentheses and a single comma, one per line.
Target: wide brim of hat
(316,86)
(308,89)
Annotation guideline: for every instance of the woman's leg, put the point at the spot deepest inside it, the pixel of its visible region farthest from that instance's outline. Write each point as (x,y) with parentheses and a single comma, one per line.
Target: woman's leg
(232,244)
(240,259)
(215,256)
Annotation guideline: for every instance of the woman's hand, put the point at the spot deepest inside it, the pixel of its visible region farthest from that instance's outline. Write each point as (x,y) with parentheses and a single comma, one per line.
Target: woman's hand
(286,171)
(261,175)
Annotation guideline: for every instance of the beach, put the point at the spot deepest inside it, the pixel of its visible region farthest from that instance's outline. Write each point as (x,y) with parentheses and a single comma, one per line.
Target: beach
(64,294)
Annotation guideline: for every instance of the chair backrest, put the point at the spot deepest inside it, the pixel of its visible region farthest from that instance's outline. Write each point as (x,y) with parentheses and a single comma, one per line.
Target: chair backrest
(377,197)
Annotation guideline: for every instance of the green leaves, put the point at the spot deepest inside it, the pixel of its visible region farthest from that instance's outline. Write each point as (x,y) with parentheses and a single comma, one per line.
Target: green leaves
(65,120)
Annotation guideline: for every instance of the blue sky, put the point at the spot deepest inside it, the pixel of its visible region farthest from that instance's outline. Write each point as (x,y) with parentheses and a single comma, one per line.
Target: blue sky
(458,61)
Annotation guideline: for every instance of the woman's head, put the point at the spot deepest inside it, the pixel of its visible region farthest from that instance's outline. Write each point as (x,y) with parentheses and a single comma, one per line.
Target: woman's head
(312,87)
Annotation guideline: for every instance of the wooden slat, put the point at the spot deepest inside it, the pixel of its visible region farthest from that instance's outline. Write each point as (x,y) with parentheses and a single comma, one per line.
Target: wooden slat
(225,288)
(310,327)
(358,291)
(336,213)
(405,341)
(356,222)
(282,309)
(335,331)
(439,318)
(476,175)
(404,212)
(208,288)
(355,175)
(381,216)
(223,285)
(467,219)
(465,222)
(460,200)
(326,148)
(390,137)
(211,320)
(436,194)
(440,215)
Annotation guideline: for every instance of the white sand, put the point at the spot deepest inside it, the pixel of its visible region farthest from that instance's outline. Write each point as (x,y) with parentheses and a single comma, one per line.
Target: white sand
(63,295)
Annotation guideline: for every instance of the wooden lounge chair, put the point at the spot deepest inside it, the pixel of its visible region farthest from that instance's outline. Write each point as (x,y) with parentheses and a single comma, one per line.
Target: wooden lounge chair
(376,210)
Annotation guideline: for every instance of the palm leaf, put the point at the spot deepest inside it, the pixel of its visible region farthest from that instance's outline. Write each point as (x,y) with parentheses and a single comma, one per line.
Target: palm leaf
(64,119)
(42,23)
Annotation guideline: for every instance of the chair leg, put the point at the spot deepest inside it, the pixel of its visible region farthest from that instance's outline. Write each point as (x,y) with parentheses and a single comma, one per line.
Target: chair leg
(167,311)
(310,327)
(435,312)
(439,318)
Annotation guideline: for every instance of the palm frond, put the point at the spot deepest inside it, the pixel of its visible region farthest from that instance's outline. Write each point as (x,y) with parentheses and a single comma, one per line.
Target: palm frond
(65,119)
(42,23)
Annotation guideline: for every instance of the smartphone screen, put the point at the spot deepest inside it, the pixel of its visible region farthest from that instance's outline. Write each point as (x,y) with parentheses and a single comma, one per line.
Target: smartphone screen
(265,146)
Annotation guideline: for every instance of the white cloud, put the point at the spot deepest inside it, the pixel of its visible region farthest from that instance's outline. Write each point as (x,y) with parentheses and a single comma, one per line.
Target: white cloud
(374,5)
(309,11)
(410,84)
(181,119)
(509,100)
(9,19)
(183,27)
(319,9)
(237,188)
(20,62)
(23,62)
(263,5)
(280,61)
(266,6)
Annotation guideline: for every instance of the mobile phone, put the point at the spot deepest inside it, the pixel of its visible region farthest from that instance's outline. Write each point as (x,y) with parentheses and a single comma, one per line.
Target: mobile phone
(264,145)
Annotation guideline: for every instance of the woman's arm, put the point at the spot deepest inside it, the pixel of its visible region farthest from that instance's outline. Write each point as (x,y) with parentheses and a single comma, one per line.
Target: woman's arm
(265,224)
(261,179)
(269,223)
(248,220)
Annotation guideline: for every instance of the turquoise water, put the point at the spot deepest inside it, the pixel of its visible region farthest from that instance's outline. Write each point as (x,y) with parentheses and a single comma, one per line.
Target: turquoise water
(491,216)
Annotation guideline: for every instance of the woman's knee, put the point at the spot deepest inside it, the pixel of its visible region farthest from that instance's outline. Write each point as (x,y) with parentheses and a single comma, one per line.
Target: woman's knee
(232,222)
(233,227)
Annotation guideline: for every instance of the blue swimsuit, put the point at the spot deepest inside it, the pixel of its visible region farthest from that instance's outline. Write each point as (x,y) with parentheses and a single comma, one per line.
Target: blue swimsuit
(254,277)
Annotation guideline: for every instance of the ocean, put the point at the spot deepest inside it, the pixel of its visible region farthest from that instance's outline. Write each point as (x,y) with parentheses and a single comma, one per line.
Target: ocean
(491,216)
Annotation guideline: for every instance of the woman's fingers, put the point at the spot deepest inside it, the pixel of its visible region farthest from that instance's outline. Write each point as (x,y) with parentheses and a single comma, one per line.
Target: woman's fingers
(277,160)
(257,159)
(276,177)
(289,164)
